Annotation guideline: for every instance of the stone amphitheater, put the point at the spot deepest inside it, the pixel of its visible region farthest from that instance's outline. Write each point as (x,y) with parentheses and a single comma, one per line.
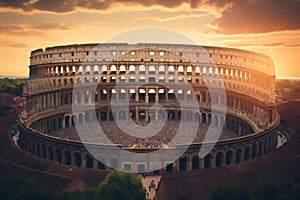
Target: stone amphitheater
(75,87)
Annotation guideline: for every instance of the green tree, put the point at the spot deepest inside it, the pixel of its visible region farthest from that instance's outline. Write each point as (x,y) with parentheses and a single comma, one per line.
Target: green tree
(22,188)
(267,189)
(235,191)
(122,186)
(12,86)
(70,195)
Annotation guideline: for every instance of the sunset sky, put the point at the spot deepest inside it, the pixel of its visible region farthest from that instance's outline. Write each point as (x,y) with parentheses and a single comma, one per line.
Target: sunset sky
(271,27)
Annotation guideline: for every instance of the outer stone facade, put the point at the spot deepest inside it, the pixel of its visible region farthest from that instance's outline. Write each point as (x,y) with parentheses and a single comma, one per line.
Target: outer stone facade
(248,79)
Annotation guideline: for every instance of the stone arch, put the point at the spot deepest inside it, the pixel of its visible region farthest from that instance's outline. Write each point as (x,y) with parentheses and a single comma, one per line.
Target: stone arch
(238,156)
(203,117)
(207,161)
(196,162)
(229,157)
(247,154)
(142,69)
(113,69)
(89,161)
(171,69)
(50,153)
(77,159)
(101,165)
(219,159)
(151,69)
(67,121)
(183,163)
(254,150)
(67,159)
(104,69)
(131,69)
(161,69)
(260,148)
(58,155)
(122,69)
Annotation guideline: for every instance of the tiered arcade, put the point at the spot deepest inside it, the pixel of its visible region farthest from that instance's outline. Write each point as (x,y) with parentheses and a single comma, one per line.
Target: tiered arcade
(248,79)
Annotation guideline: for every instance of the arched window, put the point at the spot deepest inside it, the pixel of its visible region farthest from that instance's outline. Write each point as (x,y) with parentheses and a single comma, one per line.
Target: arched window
(180,69)
(151,70)
(113,69)
(122,69)
(142,69)
(104,69)
(131,69)
(162,69)
(171,69)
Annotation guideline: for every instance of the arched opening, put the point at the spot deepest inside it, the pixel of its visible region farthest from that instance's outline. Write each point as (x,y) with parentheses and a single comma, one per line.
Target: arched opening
(171,115)
(67,158)
(195,162)
(122,69)
(113,69)
(254,151)
(101,165)
(171,95)
(207,161)
(238,156)
(247,154)
(169,167)
(89,162)
(103,116)
(229,157)
(219,159)
(180,69)
(260,149)
(203,116)
(151,70)
(142,94)
(161,69)
(77,159)
(67,121)
(183,164)
(152,95)
(50,153)
(151,80)
(43,151)
(171,70)
(131,69)
(104,69)
(161,95)
(142,69)
(58,155)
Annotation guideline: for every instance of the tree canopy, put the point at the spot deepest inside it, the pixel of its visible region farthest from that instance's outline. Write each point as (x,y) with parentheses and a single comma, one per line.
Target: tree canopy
(21,187)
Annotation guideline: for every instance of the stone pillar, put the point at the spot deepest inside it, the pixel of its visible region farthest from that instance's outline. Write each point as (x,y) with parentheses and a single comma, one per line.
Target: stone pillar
(200,97)
(156,96)
(137,95)
(146,95)
(136,114)
(167,95)
(202,163)
(147,115)
(189,162)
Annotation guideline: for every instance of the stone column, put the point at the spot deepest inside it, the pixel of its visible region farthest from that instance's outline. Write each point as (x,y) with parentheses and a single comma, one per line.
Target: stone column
(156,96)
(137,95)
(146,95)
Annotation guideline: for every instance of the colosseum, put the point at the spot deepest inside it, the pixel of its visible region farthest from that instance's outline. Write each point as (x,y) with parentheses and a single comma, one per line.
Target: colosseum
(191,83)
